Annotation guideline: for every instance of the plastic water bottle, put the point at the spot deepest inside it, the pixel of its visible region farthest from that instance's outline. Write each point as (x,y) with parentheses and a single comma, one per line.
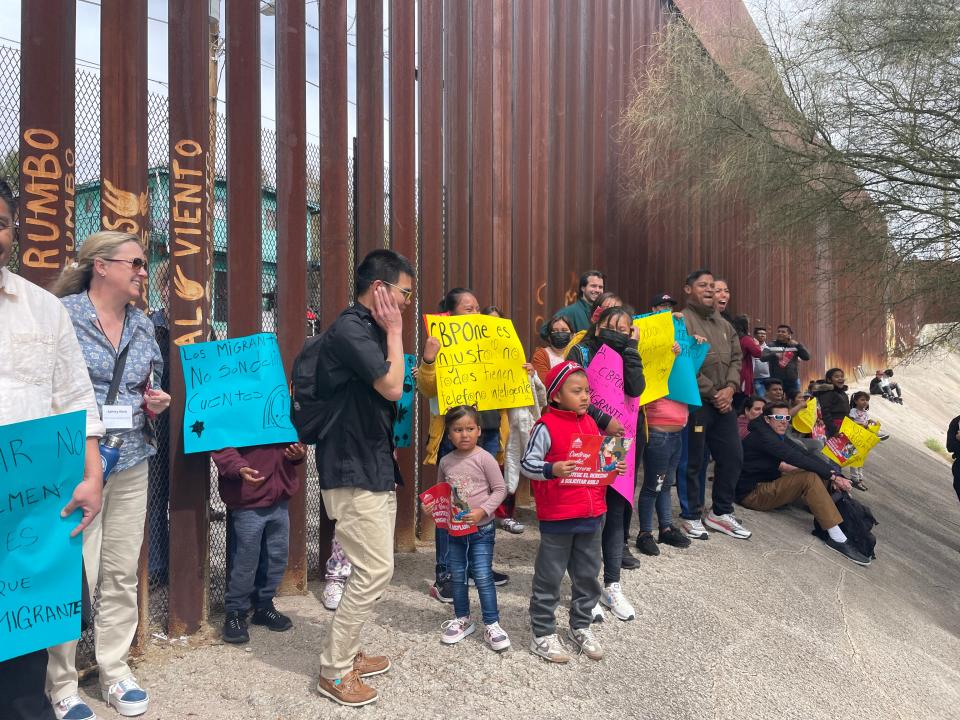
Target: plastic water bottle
(109,454)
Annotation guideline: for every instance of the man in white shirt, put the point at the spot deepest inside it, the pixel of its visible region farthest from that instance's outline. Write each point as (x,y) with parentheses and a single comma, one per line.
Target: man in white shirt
(42,373)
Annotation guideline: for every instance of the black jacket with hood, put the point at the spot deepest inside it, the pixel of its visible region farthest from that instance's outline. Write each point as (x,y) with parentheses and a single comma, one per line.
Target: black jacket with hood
(834,405)
(764,450)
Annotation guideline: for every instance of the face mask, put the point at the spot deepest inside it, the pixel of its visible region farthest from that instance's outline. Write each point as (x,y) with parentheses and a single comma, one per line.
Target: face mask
(616,340)
(559,339)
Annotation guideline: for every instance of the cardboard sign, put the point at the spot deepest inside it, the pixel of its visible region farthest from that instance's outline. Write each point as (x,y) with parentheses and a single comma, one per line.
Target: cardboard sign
(447,509)
(686,366)
(41,463)
(605,375)
(849,447)
(656,352)
(596,457)
(237,394)
(480,363)
(403,425)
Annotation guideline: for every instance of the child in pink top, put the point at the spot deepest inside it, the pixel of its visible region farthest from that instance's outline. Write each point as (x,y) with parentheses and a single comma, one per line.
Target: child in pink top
(477,483)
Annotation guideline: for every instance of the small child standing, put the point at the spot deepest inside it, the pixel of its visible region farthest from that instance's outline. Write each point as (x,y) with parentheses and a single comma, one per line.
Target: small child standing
(256,484)
(860,414)
(571,518)
(474,475)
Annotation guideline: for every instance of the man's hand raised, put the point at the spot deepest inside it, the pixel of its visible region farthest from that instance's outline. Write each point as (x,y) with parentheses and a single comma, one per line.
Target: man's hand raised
(386,311)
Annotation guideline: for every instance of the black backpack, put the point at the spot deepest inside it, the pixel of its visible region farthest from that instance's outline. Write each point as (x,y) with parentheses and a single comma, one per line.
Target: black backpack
(312,411)
(858,523)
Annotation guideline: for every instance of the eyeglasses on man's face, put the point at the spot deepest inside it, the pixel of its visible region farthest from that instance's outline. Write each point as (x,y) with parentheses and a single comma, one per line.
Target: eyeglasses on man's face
(781,418)
(406,292)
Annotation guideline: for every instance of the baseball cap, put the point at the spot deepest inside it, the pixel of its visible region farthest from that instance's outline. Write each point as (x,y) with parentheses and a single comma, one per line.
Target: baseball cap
(662,299)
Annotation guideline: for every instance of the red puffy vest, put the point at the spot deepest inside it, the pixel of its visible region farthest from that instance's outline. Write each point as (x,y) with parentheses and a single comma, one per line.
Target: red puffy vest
(566,502)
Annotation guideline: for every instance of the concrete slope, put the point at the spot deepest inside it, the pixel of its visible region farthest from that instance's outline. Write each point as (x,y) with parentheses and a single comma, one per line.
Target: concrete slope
(775,627)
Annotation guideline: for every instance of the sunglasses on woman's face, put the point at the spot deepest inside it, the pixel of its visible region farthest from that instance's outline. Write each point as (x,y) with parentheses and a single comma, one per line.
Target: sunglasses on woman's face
(135,263)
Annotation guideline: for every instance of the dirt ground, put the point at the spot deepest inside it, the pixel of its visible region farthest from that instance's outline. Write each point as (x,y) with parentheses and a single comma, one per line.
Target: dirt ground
(775,627)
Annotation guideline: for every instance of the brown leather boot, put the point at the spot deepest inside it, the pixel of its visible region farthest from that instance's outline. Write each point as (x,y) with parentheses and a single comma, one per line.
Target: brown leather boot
(349,690)
(370,665)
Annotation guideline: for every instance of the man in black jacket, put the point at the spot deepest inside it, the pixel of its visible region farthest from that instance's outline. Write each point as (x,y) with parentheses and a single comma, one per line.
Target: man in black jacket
(783,356)
(776,472)
(953,446)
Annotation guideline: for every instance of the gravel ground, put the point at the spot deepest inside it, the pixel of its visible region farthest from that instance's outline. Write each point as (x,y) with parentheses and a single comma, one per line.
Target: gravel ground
(775,627)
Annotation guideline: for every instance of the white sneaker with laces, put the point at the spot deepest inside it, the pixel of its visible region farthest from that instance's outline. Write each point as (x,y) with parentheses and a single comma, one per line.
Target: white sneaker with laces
(496,637)
(456,630)
(332,592)
(586,642)
(596,615)
(73,708)
(512,526)
(127,697)
(612,596)
(694,530)
(728,525)
(550,648)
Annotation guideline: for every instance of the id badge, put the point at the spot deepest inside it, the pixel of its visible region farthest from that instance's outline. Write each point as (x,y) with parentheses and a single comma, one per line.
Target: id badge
(118,417)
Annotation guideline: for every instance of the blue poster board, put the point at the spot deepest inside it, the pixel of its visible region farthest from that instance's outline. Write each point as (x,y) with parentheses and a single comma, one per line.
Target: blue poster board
(683,376)
(403,425)
(236,394)
(41,463)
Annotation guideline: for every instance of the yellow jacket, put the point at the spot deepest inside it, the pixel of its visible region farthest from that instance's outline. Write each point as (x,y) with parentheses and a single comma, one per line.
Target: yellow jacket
(427,385)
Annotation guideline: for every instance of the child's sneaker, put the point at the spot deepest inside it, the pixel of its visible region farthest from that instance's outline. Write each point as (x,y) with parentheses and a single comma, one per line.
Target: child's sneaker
(442,590)
(235,628)
(332,592)
(269,616)
(73,708)
(596,615)
(550,648)
(586,642)
(496,637)
(672,536)
(127,697)
(512,526)
(456,630)
(612,596)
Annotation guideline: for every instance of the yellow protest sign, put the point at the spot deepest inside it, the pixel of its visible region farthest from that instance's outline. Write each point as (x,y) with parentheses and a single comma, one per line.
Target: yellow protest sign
(656,352)
(480,362)
(849,447)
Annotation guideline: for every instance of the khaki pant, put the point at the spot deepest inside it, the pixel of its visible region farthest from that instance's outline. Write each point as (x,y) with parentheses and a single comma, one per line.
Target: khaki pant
(793,486)
(365,524)
(111,550)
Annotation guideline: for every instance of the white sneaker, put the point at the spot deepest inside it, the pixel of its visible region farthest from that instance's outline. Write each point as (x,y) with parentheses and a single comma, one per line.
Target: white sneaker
(496,637)
(512,526)
(586,642)
(73,708)
(596,615)
(127,697)
(550,648)
(728,525)
(456,630)
(612,596)
(332,592)
(694,530)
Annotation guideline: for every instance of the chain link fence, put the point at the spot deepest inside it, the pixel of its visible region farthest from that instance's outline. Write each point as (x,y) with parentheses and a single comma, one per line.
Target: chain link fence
(87,221)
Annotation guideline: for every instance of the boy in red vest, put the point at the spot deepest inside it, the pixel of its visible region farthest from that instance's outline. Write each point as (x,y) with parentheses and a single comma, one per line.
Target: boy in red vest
(571,518)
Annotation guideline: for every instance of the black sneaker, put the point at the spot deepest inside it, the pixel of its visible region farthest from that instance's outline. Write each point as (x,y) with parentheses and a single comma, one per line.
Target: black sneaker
(848,550)
(499,579)
(647,545)
(276,621)
(629,562)
(235,628)
(672,536)
(442,590)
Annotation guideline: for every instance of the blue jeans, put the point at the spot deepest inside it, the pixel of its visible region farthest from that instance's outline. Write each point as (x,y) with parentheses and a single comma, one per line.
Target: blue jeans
(759,388)
(489,441)
(257,541)
(682,473)
(791,387)
(660,459)
(475,551)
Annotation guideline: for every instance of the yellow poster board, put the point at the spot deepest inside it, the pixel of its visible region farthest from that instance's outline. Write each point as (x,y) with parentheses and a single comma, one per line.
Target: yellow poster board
(480,362)
(849,447)
(656,352)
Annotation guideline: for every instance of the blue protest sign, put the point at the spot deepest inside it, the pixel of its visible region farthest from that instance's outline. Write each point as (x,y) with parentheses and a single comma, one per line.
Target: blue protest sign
(403,425)
(236,394)
(683,376)
(41,462)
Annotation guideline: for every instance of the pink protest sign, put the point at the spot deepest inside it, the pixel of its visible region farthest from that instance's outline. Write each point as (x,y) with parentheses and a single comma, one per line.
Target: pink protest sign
(605,374)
